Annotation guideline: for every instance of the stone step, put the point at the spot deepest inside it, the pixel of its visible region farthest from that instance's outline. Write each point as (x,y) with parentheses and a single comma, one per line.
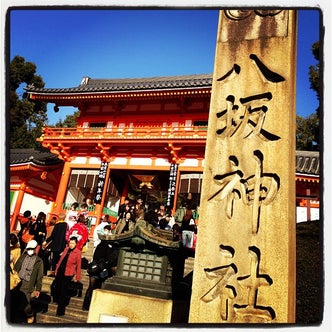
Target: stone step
(74,314)
(89,253)
(74,306)
(47,281)
(63,320)
(188,266)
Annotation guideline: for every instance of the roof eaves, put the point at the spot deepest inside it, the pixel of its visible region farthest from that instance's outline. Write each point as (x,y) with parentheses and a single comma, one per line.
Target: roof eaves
(31,156)
(130,85)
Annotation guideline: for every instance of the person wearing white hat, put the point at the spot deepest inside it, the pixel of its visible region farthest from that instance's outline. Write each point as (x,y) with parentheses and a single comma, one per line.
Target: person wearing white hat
(30,268)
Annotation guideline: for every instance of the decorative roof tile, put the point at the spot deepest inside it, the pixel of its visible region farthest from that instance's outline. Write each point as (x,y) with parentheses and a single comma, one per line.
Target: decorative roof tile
(307,162)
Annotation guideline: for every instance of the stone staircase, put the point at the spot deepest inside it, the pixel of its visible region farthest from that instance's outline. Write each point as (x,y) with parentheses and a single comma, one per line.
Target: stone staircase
(188,266)
(74,313)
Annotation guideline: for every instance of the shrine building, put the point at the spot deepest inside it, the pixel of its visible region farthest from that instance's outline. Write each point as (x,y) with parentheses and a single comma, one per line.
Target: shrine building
(136,137)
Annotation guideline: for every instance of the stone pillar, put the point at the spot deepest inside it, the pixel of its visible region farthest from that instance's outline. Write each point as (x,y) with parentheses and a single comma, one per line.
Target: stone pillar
(244,269)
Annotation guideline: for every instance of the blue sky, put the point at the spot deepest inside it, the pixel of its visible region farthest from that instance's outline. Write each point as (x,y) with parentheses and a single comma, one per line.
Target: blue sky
(67,45)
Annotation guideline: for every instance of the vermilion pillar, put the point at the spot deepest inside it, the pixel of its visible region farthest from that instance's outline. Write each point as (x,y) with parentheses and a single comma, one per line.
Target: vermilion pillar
(18,205)
(62,188)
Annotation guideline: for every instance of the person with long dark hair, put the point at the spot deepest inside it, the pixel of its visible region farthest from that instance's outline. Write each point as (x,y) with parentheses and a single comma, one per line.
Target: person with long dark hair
(25,223)
(125,224)
(57,241)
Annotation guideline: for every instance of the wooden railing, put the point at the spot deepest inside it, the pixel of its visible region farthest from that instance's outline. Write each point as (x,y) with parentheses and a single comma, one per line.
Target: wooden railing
(139,132)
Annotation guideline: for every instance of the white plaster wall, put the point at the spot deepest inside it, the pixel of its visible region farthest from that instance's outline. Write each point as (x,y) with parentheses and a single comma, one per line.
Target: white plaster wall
(301,214)
(32,203)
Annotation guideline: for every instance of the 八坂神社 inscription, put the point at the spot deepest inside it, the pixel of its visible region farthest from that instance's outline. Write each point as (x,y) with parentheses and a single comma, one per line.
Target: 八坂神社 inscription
(256,189)
(247,119)
(247,202)
(227,285)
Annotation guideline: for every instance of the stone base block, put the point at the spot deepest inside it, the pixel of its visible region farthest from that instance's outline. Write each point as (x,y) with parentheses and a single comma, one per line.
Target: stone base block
(115,307)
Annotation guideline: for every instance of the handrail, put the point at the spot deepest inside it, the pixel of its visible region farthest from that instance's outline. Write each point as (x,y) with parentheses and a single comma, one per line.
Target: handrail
(116,132)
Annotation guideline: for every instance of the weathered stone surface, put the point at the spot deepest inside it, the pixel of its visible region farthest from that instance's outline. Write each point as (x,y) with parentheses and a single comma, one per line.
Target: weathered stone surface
(135,308)
(245,255)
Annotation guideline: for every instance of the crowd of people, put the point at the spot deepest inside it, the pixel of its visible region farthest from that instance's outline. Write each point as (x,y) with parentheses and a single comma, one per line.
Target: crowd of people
(158,215)
(56,247)
(40,247)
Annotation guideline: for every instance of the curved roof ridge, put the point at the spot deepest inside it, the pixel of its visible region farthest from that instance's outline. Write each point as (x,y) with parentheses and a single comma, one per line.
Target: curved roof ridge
(93,81)
(132,84)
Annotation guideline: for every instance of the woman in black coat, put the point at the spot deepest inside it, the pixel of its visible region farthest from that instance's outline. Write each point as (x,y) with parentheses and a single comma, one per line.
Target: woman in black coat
(40,228)
(57,240)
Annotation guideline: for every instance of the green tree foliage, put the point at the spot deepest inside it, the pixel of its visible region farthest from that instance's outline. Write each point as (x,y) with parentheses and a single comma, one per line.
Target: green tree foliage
(314,71)
(314,78)
(26,118)
(305,135)
(307,129)
(69,121)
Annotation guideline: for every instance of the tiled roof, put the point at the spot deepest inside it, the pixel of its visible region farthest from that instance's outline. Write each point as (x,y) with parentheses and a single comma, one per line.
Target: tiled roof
(21,156)
(133,84)
(307,162)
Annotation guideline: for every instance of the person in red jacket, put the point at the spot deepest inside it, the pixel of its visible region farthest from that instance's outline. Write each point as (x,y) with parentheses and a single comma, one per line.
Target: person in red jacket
(80,231)
(68,269)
